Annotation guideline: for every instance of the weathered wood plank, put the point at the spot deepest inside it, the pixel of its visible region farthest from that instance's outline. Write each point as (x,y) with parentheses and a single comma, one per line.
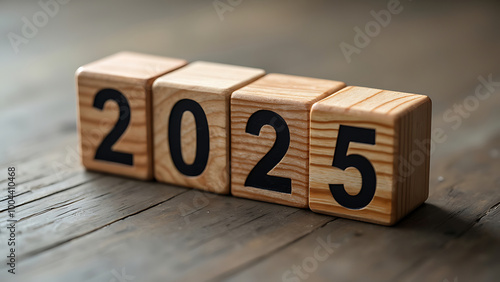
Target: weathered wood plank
(220,234)
(46,175)
(47,186)
(72,213)
(57,162)
(474,256)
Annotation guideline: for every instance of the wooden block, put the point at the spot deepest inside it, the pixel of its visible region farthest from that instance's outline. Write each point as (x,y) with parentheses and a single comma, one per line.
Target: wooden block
(191,124)
(114,103)
(270,137)
(369,154)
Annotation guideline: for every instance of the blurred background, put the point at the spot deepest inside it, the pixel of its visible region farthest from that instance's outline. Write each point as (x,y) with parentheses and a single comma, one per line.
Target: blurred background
(437,48)
(448,50)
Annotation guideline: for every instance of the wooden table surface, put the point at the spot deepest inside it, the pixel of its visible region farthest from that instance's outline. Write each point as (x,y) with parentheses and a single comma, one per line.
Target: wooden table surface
(76,225)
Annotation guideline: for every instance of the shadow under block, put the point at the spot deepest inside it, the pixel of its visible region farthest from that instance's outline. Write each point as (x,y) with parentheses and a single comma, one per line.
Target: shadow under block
(191,124)
(369,154)
(270,137)
(114,104)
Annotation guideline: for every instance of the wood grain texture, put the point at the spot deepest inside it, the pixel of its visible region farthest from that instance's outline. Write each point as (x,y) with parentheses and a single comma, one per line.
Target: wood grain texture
(210,86)
(400,155)
(291,97)
(132,74)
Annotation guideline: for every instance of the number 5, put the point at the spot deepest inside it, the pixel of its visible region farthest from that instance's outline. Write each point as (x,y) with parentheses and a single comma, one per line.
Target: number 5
(341,160)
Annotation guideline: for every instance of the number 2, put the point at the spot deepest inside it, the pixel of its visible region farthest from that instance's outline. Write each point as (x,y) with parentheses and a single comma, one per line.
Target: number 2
(105,152)
(341,160)
(258,176)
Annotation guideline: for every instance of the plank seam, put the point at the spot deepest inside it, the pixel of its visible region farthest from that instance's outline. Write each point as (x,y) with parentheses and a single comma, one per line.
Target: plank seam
(55,245)
(255,260)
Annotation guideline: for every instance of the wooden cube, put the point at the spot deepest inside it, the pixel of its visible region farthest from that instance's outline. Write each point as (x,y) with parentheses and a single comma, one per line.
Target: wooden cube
(369,154)
(191,124)
(114,103)
(270,137)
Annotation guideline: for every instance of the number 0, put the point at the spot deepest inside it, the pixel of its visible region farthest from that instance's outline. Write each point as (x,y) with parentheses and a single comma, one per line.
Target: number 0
(341,160)
(202,137)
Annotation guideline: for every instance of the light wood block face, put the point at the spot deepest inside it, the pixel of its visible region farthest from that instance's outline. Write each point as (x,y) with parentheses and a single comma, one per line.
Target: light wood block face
(114,104)
(380,140)
(191,124)
(270,137)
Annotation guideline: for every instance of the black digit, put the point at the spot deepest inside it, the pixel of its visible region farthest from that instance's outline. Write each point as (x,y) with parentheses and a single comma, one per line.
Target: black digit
(341,160)
(202,137)
(258,176)
(105,152)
